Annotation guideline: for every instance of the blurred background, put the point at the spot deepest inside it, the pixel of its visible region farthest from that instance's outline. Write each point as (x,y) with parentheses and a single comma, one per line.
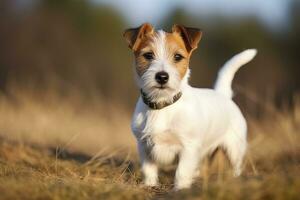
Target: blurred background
(66,72)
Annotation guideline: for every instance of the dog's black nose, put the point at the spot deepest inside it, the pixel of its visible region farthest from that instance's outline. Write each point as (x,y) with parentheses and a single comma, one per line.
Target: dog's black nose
(162,77)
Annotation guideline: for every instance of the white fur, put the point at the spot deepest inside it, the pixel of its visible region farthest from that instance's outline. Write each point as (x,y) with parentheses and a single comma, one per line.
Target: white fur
(200,121)
(226,74)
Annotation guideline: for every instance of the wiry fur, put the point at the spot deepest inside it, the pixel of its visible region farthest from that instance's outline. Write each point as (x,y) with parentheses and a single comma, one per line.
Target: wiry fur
(199,122)
(147,81)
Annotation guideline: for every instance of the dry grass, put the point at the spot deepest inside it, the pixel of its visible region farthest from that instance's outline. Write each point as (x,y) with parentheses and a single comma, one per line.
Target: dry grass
(85,125)
(40,138)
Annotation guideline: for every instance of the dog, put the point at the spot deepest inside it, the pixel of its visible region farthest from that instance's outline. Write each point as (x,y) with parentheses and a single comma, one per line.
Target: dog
(173,119)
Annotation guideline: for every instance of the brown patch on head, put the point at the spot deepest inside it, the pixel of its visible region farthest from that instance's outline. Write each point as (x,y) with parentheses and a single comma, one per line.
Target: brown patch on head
(146,46)
(140,38)
(182,41)
(176,47)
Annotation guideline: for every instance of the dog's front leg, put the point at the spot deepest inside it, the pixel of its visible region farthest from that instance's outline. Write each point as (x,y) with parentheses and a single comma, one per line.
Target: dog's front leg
(187,166)
(149,167)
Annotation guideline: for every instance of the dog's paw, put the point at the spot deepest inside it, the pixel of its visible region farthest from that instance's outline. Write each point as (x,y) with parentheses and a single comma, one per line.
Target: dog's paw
(178,188)
(182,185)
(151,182)
(237,172)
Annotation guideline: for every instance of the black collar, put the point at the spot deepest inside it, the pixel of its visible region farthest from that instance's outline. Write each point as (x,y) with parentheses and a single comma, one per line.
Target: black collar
(159,105)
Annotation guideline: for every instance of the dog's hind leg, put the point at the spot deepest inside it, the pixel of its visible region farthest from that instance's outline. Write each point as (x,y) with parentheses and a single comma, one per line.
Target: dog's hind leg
(235,145)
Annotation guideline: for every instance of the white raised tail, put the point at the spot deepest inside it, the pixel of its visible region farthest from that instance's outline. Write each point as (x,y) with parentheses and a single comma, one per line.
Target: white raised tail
(226,73)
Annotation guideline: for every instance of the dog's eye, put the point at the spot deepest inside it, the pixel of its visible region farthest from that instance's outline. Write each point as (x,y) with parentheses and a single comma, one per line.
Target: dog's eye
(178,57)
(148,56)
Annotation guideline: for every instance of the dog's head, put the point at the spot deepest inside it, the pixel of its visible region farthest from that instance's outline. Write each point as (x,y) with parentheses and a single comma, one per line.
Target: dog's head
(162,58)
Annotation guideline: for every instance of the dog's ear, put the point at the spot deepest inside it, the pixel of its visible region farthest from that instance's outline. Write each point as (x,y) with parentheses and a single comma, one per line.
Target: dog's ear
(190,36)
(134,36)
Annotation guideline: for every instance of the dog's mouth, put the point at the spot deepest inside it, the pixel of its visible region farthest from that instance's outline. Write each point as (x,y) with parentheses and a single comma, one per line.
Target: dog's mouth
(161,87)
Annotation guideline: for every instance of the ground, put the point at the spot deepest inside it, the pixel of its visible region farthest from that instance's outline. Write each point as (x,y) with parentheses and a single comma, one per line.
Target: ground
(34,166)
(32,172)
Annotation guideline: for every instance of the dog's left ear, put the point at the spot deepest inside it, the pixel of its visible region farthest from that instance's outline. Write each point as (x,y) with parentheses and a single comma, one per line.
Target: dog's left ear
(190,36)
(134,36)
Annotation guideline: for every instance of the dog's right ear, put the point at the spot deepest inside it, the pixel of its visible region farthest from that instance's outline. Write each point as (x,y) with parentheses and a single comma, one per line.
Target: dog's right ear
(134,36)
(190,36)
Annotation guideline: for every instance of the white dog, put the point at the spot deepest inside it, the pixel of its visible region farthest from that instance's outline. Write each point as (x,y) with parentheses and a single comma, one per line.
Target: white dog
(172,118)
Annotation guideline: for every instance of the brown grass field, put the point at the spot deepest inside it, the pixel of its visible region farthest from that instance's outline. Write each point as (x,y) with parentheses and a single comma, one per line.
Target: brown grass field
(69,148)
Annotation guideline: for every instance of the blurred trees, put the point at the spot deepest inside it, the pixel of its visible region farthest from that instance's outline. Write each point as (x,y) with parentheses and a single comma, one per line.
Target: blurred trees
(69,45)
(66,45)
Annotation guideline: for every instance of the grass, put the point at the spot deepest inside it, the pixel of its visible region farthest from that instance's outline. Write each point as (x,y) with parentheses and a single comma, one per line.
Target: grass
(38,162)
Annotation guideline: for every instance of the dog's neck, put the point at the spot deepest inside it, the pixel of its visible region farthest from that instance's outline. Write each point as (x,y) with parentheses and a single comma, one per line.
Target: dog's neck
(161,104)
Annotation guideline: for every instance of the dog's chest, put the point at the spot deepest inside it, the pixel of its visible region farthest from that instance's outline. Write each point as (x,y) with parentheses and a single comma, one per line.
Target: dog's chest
(161,126)
(166,138)
(158,123)
(162,137)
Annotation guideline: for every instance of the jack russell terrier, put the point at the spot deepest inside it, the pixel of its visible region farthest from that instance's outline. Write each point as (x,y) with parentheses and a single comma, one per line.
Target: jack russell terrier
(172,118)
